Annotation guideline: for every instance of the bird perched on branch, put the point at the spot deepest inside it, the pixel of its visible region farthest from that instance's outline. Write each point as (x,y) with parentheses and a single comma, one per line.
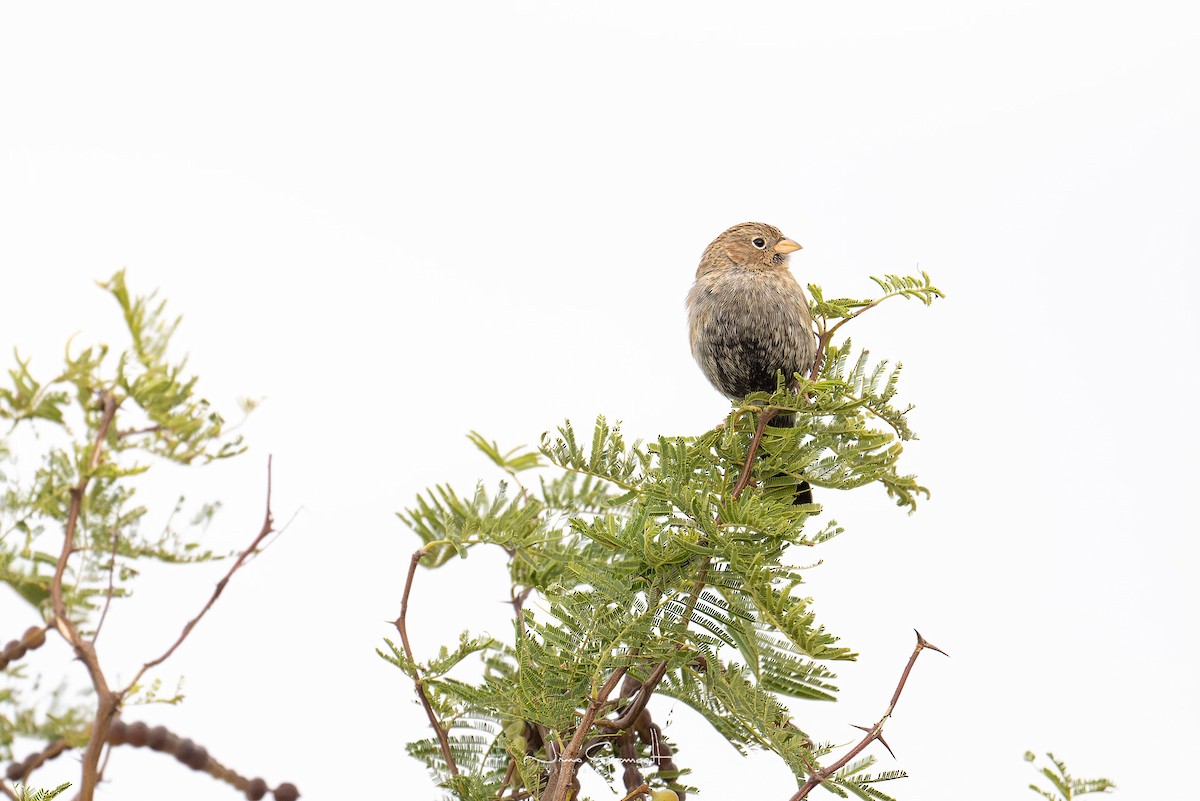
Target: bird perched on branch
(748,317)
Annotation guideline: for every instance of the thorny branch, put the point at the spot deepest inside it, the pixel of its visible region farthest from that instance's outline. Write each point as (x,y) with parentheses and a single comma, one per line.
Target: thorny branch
(645,690)
(401,624)
(108,701)
(251,550)
(873,733)
(561,778)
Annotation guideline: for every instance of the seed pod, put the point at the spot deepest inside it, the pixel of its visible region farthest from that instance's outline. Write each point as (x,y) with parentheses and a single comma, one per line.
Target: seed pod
(286,792)
(137,734)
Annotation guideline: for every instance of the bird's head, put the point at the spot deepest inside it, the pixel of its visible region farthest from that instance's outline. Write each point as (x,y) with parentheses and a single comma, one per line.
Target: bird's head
(752,245)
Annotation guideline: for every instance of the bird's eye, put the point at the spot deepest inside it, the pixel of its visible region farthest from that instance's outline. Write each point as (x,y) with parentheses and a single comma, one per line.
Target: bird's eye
(758,242)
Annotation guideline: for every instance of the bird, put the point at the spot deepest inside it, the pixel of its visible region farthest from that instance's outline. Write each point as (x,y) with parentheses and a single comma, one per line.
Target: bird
(748,317)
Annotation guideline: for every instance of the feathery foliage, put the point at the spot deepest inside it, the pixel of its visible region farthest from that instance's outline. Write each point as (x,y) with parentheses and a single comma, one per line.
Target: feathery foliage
(1064,786)
(30,794)
(72,533)
(640,562)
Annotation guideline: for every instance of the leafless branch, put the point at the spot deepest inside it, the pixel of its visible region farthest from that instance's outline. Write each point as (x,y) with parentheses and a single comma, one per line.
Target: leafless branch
(133,432)
(108,595)
(873,733)
(264,532)
(401,624)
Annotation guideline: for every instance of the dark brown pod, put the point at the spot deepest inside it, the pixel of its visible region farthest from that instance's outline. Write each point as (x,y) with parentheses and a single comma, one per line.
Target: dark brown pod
(286,792)
(160,739)
(184,750)
(34,637)
(12,650)
(15,771)
(119,733)
(192,755)
(256,789)
(137,734)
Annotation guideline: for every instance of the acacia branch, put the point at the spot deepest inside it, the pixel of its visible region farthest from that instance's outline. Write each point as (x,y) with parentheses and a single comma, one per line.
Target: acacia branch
(267,528)
(873,733)
(646,689)
(401,624)
(107,701)
(569,760)
(827,335)
(764,418)
(133,432)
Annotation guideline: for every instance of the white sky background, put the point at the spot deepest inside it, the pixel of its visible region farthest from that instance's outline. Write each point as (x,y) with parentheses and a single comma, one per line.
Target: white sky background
(398,223)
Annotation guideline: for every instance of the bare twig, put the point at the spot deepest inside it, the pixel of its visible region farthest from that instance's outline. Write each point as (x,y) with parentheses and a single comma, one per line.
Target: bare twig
(27,766)
(508,775)
(104,763)
(873,733)
(266,530)
(401,624)
(133,432)
(827,335)
(108,595)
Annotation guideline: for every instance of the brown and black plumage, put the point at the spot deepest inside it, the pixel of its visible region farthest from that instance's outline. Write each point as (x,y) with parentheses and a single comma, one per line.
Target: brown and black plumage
(748,317)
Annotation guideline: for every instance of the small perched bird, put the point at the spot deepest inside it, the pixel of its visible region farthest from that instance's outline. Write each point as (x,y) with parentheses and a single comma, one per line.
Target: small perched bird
(748,317)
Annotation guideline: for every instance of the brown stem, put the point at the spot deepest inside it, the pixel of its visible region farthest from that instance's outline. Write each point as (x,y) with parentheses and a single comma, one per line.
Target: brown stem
(569,760)
(826,336)
(267,529)
(133,432)
(822,341)
(36,760)
(764,417)
(874,733)
(108,595)
(508,775)
(401,624)
(630,713)
(107,701)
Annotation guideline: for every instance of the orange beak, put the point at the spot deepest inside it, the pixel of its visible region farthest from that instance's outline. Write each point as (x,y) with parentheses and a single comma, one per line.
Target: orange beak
(786,246)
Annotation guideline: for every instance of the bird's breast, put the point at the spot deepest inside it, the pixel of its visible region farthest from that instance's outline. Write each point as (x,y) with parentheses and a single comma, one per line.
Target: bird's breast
(747,325)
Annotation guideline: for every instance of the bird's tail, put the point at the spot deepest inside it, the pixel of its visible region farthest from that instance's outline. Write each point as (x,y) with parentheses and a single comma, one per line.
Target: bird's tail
(804,493)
